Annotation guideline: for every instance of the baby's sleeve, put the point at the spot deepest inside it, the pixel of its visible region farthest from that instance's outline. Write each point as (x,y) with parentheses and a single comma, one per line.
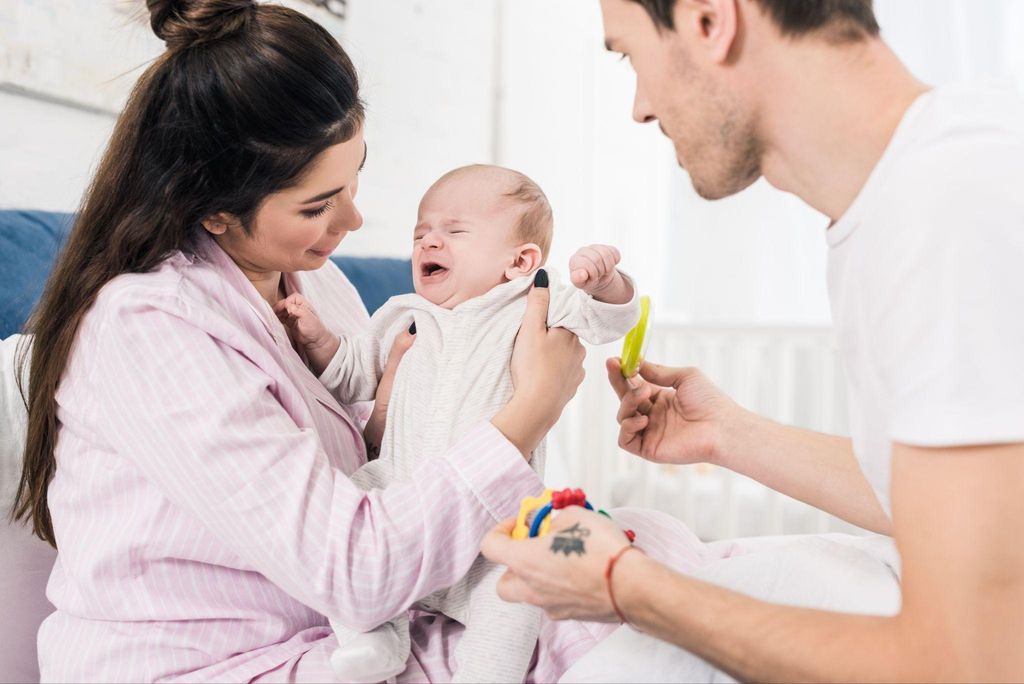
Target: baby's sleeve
(593,321)
(354,372)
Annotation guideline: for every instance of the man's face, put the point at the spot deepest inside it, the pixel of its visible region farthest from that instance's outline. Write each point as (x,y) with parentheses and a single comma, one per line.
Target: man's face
(679,86)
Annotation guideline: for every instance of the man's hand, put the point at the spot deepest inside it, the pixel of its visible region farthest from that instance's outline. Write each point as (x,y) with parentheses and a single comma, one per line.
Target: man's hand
(671,415)
(563,571)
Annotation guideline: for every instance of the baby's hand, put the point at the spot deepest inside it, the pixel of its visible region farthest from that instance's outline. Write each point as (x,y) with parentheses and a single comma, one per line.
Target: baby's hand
(592,269)
(307,330)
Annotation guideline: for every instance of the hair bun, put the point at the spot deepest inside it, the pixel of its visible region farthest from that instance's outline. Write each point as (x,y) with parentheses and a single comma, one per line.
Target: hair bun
(182,23)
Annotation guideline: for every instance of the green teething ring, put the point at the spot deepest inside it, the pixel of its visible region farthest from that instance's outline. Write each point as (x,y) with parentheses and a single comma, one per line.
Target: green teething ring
(633,346)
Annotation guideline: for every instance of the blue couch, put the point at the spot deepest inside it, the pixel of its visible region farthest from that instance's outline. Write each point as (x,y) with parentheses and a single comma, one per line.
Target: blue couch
(29,241)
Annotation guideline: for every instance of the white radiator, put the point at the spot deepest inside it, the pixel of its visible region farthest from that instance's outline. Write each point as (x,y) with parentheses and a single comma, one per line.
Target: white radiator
(790,374)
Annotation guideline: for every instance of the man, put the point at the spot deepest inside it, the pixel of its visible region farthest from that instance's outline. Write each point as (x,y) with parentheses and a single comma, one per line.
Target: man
(925,191)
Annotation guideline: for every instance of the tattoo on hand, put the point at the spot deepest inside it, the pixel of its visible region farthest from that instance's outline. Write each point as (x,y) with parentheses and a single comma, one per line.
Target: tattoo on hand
(570,541)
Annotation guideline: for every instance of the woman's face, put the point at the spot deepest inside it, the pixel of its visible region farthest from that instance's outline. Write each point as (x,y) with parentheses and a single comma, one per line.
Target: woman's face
(297,229)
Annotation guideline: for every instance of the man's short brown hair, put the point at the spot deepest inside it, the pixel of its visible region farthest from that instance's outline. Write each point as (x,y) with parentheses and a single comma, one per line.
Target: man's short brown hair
(846,20)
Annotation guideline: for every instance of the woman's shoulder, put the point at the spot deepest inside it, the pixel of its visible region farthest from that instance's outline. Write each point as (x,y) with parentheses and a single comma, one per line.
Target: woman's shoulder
(160,288)
(185,289)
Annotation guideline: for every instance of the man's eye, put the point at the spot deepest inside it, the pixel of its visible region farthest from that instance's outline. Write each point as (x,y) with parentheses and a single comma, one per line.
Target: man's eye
(457,232)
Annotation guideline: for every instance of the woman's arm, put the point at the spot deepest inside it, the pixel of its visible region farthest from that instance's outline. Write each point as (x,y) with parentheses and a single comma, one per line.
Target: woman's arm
(676,415)
(204,424)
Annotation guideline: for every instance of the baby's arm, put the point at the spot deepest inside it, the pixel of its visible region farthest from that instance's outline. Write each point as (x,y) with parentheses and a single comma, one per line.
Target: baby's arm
(603,306)
(349,366)
(308,331)
(593,270)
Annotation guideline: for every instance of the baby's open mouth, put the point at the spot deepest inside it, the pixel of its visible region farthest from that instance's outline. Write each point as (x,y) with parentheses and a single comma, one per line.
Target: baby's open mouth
(430,269)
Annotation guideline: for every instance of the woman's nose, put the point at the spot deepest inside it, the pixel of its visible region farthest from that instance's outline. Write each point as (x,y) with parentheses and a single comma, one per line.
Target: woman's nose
(348,219)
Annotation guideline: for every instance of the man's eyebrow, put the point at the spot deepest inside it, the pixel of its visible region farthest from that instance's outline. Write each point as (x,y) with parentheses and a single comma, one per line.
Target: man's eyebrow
(335,191)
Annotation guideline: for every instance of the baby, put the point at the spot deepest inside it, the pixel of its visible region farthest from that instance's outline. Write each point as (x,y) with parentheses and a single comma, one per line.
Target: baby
(481,234)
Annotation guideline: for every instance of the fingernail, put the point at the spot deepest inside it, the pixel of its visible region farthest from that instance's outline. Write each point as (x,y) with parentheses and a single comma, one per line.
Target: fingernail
(412,328)
(541,279)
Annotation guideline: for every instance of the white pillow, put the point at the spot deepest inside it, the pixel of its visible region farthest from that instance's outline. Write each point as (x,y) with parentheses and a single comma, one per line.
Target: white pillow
(26,561)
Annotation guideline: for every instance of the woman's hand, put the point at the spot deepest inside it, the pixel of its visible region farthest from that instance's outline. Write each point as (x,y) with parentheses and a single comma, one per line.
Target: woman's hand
(563,571)
(547,368)
(673,415)
(373,433)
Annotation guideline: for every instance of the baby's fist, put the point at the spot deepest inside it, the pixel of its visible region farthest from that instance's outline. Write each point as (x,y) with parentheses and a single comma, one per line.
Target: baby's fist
(301,319)
(592,268)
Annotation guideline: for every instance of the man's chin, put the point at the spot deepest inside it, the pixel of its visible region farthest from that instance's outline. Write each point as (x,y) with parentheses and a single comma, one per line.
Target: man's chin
(722,188)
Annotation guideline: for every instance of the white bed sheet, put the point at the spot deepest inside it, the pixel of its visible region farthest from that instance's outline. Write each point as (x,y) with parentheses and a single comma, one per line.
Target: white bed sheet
(839,572)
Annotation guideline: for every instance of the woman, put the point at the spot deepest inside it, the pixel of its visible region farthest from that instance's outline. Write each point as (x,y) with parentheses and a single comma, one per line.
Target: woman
(188,466)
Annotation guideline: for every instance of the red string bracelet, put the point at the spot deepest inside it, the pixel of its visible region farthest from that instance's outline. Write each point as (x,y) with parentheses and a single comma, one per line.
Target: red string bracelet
(608,579)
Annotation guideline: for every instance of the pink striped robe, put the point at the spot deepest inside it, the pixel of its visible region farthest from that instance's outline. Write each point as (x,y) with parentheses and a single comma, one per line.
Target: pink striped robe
(204,519)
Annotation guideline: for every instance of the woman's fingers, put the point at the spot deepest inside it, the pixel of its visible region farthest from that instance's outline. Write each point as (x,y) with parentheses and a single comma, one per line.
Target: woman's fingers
(537,301)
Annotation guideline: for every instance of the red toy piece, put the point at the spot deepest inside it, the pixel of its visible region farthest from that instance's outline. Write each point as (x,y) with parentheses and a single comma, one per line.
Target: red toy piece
(568,497)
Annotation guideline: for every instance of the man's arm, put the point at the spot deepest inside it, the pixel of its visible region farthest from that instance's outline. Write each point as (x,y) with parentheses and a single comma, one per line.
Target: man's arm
(818,469)
(959,519)
(677,415)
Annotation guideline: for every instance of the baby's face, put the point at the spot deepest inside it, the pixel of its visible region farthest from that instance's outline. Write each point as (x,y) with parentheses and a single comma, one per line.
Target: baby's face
(464,240)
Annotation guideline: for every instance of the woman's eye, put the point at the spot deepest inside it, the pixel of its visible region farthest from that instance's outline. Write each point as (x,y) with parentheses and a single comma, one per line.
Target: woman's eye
(320,211)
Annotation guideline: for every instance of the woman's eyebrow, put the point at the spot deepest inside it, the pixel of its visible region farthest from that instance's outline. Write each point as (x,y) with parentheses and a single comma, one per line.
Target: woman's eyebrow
(335,191)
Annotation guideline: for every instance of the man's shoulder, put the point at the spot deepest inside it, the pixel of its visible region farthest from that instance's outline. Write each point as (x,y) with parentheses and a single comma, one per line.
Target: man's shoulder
(964,131)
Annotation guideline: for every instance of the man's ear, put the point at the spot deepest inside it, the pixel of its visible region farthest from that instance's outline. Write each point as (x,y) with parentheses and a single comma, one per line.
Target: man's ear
(219,223)
(712,23)
(528,259)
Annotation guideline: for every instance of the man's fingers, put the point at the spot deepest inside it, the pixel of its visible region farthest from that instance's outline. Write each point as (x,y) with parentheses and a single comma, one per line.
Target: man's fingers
(634,424)
(498,544)
(665,376)
(636,402)
(511,588)
(615,379)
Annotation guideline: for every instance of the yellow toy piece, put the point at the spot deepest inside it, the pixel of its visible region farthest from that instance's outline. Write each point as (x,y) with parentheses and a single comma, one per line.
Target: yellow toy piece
(635,345)
(527,509)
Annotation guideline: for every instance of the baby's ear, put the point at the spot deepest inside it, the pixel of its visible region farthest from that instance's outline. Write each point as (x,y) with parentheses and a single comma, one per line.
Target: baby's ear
(528,258)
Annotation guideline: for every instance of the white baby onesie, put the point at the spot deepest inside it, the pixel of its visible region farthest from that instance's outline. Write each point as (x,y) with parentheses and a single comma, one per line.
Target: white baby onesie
(454,376)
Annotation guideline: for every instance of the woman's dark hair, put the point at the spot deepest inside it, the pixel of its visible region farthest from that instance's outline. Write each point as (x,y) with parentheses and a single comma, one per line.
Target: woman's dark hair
(245,97)
(854,19)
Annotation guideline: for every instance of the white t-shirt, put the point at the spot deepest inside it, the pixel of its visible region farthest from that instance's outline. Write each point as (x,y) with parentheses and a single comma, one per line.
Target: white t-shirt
(926,281)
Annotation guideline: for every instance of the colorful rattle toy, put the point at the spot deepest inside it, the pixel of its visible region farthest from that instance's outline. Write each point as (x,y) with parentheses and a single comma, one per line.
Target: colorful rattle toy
(534,518)
(634,348)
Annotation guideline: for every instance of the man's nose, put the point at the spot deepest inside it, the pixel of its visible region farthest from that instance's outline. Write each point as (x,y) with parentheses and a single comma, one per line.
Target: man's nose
(432,241)
(642,110)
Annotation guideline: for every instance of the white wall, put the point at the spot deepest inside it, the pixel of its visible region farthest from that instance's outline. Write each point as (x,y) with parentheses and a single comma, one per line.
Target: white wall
(428,72)
(428,78)
(47,152)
